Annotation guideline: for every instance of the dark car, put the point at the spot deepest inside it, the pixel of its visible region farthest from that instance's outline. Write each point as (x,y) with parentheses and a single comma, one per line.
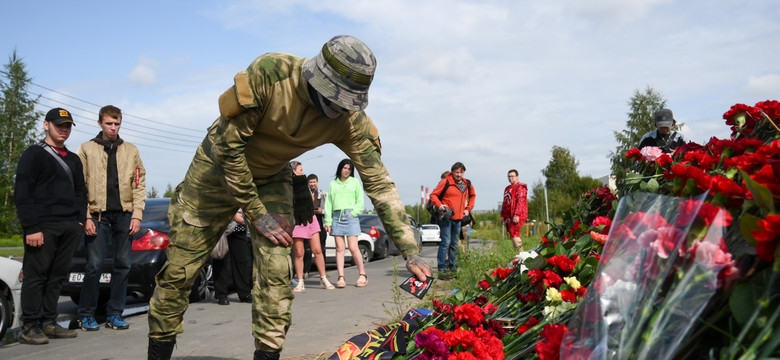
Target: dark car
(383,246)
(147,256)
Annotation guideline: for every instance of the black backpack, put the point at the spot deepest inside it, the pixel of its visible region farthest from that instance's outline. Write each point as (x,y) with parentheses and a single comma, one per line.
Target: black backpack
(433,210)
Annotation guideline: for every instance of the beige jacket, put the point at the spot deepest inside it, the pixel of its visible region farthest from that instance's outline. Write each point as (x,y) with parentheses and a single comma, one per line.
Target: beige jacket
(131,172)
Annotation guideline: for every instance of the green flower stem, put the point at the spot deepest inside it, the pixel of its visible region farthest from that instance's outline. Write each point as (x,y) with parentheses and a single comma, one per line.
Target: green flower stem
(627,349)
(761,305)
(658,325)
(762,337)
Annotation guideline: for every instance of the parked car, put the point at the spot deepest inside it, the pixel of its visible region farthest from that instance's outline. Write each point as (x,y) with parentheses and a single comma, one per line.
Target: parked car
(383,246)
(374,243)
(147,257)
(430,233)
(10,294)
(365,244)
(416,231)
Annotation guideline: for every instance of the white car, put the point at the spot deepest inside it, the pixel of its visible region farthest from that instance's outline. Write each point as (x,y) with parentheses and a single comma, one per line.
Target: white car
(365,244)
(10,294)
(430,233)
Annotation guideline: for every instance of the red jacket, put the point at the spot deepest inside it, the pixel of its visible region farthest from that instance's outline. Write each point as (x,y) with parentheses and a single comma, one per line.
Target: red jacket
(515,202)
(454,199)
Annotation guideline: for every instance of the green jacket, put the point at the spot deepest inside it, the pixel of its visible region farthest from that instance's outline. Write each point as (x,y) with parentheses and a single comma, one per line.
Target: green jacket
(267,119)
(341,196)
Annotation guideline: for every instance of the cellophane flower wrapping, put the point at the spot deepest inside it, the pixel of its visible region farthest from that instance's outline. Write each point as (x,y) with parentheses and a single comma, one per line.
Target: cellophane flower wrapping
(655,278)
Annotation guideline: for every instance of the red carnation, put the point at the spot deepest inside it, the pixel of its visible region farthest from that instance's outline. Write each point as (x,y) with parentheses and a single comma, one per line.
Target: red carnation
(552,279)
(767,237)
(634,154)
(549,347)
(568,295)
(484,285)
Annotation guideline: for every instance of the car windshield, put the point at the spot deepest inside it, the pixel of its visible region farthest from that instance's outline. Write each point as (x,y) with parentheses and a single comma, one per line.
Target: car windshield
(430,227)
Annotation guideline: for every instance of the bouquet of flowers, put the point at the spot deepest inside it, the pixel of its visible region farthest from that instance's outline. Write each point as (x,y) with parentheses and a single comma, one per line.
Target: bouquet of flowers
(682,291)
(688,268)
(656,277)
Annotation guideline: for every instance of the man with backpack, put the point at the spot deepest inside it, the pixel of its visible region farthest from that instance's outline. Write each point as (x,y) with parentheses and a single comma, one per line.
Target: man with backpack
(454,198)
(663,137)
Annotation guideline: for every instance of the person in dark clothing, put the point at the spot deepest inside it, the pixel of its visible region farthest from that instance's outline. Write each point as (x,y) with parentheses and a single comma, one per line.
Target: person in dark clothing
(116,192)
(663,137)
(318,196)
(236,266)
(51,203)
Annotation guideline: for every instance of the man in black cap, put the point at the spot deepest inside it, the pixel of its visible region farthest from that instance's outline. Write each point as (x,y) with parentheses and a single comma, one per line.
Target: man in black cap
(51,203)
(664,137)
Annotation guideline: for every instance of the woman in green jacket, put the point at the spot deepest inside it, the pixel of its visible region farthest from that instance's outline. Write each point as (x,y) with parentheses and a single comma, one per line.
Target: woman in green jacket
(342,206)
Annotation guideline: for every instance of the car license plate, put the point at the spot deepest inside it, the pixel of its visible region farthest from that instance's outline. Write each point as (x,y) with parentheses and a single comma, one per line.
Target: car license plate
(105,278)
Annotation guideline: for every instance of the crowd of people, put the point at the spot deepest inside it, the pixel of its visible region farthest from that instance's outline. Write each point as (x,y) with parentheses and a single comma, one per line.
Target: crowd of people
(241,185)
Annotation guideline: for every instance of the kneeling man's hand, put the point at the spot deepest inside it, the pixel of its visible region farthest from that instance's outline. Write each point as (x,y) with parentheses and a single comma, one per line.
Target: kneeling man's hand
(274,227)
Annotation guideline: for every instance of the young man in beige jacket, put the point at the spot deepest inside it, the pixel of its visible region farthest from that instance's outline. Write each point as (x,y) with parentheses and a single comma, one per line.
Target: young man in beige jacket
(116,193)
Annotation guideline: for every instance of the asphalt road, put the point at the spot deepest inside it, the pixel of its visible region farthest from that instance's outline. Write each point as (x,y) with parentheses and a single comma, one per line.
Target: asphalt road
(322,321)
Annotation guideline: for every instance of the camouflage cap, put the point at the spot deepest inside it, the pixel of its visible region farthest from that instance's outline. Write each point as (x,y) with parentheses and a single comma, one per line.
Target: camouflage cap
(342,72)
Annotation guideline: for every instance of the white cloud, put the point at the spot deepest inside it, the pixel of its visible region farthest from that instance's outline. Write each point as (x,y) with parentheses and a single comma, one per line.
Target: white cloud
(606,12)
(768,85)
(144,73)
(494,84)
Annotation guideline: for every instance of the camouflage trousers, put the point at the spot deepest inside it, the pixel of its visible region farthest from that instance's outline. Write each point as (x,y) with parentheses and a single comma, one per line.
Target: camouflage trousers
(200,211)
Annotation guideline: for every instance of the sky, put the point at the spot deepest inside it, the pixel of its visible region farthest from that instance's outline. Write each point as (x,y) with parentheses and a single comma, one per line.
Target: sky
(492,84)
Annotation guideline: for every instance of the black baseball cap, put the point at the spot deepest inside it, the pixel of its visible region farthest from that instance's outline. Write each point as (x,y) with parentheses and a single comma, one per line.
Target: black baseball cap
(664,118)
(58,116)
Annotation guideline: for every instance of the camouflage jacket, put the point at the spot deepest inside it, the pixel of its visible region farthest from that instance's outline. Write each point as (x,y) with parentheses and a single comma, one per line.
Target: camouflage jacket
(267,119)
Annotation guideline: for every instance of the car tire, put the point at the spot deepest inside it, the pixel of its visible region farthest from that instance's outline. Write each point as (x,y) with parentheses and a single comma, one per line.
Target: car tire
(385,251)
(365,252)
(203,288)
(6,312)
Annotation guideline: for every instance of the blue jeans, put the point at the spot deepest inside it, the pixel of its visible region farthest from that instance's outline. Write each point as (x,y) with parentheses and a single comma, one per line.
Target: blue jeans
(450,232)
(114,226)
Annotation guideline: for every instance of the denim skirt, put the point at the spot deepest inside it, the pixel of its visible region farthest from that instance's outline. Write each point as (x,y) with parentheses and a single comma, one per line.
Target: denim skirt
(344,224)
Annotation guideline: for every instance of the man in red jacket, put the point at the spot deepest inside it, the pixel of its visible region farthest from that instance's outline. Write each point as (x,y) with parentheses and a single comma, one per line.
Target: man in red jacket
(454,197)
(514,209)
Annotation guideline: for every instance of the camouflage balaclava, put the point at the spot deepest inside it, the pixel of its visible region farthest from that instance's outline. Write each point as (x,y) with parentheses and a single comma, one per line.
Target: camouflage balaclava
(341,74)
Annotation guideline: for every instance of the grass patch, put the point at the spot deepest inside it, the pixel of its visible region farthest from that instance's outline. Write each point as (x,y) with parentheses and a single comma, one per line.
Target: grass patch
(13,241)
(19,252)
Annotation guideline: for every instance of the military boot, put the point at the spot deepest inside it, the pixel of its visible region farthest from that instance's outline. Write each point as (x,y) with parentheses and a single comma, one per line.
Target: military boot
(160,350)
(32,334)
(263,355)
(55,331)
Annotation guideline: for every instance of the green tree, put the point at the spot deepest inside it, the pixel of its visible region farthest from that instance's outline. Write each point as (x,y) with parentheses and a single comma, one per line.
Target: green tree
(640,121)
(18,130)
(561,171)
(152,193)
(536,207)
(168,191)
(564,186)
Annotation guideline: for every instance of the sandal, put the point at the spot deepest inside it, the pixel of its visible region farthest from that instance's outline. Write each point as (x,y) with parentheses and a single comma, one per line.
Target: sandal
(364,283)
(341,283)
(326,284)
(300,287)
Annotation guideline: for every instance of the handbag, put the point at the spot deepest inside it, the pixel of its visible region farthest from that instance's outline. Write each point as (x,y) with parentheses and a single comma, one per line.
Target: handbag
(221,249)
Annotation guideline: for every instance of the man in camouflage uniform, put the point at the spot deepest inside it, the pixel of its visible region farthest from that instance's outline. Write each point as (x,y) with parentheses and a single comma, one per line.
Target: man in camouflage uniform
(279,108)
